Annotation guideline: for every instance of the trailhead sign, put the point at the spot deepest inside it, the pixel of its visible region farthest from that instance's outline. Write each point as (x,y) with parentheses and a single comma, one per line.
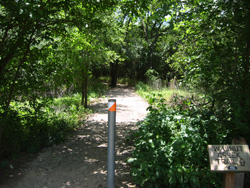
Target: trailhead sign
(226,158)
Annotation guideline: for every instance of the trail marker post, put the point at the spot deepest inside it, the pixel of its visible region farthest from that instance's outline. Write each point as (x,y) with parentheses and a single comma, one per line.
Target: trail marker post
(111,142)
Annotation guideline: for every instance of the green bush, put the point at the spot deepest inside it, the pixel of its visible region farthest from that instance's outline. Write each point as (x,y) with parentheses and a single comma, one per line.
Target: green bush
(28,129)
(33,122)
(171,146)
(32,125)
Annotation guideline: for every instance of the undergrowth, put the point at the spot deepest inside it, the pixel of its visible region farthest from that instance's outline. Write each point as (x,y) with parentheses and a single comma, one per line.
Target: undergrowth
(146,91)
(171,144)
(33,124)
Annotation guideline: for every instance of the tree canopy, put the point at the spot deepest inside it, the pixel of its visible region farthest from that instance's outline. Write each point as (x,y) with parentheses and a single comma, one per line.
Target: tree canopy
(205,44)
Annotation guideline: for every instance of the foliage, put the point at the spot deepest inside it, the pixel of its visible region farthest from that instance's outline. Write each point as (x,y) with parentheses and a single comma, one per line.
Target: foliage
(37,123)
(69,109)
(212,50)
(147,92)
(97,88)
(152,75)
(50,46)
(171,145)
(79,53)
(31,38)
(28,129)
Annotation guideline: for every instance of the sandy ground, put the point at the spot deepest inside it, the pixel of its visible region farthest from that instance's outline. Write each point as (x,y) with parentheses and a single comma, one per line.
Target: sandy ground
(82,160)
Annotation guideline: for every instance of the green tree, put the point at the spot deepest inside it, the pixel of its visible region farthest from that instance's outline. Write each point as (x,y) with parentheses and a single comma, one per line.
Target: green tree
(29,27)
(213,56)
(80,51)
(148,27)
(115,43)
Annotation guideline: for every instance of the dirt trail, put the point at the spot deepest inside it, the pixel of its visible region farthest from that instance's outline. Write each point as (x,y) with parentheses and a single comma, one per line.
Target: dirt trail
(82,160)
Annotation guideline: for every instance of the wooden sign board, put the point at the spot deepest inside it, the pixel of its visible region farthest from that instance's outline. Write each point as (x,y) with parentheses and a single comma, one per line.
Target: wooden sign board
(229,158)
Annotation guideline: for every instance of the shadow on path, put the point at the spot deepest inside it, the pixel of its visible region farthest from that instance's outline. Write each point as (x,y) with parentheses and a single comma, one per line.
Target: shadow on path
(82,160)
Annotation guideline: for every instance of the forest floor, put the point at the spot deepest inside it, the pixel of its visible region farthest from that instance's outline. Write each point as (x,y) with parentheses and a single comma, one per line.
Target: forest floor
(81,161)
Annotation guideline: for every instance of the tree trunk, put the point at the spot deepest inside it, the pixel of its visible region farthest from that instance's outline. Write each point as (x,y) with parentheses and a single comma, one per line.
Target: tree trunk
(135,72)
(1,131)
(83,88)
(246,88)
(114,70)
(150,58)
(86,92)
(246,79)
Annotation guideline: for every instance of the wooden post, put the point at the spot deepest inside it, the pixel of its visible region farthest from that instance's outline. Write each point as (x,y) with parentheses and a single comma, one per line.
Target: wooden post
(239,177)
(239,180)
(231,179)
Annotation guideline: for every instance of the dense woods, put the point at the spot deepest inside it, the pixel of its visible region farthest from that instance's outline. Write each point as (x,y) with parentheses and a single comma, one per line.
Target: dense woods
(51,49)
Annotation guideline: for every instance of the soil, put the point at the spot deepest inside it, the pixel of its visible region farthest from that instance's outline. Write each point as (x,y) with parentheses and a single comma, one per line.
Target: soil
(82,160)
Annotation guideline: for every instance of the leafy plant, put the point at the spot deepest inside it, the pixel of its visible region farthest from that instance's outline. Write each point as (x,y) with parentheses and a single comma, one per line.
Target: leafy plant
(32,125)
(152,75)
(171,146)
(29,129)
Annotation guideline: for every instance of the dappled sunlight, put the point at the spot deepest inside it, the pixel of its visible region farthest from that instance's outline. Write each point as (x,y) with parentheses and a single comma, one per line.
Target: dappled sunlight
(124,152)
(100,171)
(90,160)
(82,160)
(81,137)
(105,145)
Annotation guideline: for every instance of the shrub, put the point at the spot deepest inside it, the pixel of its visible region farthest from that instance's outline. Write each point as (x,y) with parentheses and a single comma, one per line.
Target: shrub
(171,146)
(33,122)
(28,129)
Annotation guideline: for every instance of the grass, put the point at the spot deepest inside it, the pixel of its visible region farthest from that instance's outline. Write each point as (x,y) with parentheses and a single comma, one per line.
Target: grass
(69,109)
(146,91)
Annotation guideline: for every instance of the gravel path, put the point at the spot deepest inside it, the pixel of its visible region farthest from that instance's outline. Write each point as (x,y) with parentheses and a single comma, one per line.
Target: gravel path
(81,162)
